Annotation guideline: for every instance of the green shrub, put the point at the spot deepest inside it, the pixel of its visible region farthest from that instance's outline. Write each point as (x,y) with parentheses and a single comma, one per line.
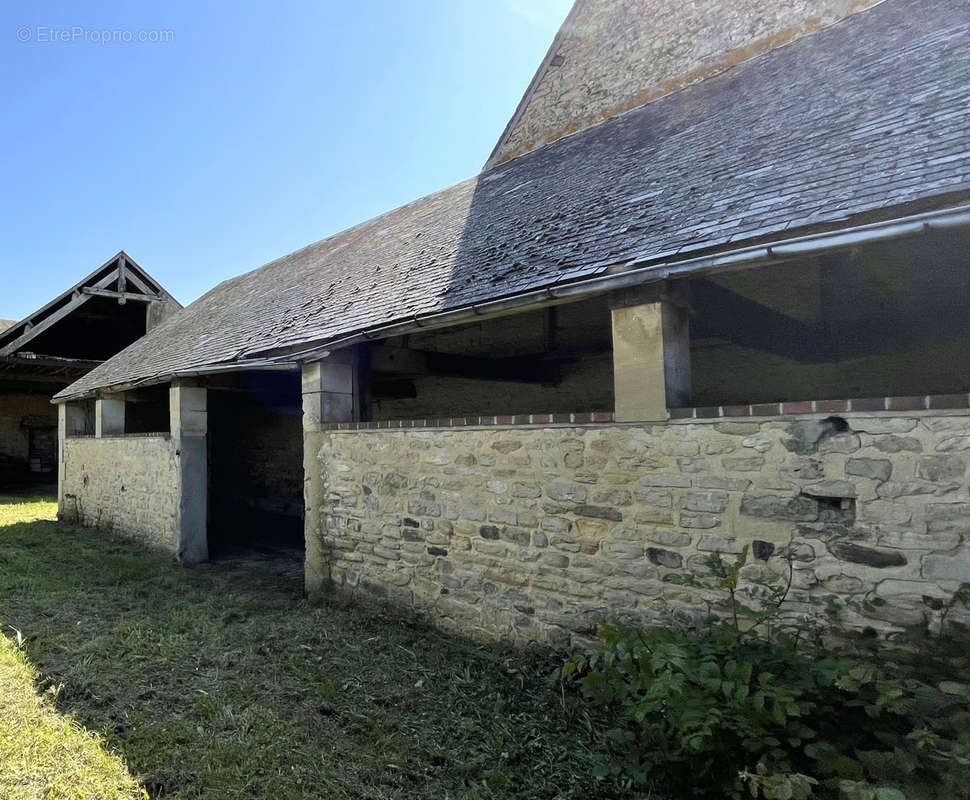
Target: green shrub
(720,710)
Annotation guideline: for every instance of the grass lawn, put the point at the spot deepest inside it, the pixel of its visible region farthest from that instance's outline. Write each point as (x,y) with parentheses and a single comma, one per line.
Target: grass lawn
(219,681)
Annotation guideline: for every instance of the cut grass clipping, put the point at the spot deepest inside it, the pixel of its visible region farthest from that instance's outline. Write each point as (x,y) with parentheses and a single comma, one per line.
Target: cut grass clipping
(220,681)
(45,754)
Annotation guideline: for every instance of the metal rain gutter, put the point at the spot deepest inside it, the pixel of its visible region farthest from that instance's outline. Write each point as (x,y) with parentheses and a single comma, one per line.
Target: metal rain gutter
(640,271)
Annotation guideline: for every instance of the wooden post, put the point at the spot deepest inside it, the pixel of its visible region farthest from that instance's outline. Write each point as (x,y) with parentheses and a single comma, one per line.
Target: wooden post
(188,415)
(651,354)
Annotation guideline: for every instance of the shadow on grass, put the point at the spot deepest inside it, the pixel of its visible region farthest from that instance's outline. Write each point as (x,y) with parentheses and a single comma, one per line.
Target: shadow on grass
(221,681)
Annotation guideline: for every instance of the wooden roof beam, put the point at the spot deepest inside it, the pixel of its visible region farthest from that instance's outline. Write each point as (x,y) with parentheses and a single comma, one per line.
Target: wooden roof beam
(121,297)
(78,300)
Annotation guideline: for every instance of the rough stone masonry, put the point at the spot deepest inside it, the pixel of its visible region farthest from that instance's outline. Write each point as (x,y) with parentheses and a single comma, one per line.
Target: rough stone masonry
(128,484)
(540,533)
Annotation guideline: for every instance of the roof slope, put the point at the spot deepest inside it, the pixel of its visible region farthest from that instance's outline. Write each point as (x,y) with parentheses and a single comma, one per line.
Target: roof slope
(870,113)
(609,57)
(7,323)
(17,335)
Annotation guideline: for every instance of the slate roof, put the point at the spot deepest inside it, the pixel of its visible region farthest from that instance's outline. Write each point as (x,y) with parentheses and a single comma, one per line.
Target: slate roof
(870,113)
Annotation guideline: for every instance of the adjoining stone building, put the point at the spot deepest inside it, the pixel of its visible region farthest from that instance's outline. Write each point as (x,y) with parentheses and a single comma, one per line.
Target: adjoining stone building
(733,314)
(57,344)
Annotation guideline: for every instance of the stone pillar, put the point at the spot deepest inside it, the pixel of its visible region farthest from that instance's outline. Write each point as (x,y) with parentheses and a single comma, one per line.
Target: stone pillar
(651,354)
(109,415)
(70,422)
(331,393)
(189,425)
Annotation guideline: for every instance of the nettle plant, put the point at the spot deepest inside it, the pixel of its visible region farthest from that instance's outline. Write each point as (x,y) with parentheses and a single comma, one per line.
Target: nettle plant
(739,706)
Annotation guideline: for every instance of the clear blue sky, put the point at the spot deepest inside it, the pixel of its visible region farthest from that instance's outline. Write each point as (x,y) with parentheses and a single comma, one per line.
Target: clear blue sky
(257,129)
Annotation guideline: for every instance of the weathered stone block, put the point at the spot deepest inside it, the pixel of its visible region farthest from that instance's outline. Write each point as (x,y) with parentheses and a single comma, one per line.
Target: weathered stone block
(555,524)
(794,509)
(913,488)
(714,501)
(677,481)
(887,512)
(883,424)
(719,448)
(937,567)
(948,517)
(941,468)
(750,464)
(387,553)
(890,443)
(613,497)
(737,428)
(502,516)
(727,484)
(694,465)
(803,468)
(953,443)
(760,444)
(655,497)
(702,521)
(839,443)
(506,446)
(655,516)
(489,532)
(832,488)
(667,537)
(566,492)
(554,560)
(908,539)
(527,489)
(664,558)
(424,508)
(516,536)
(682,447)
(844,584)
(622,549)
(878,469)
(860,554)
(601,512)
(718,544)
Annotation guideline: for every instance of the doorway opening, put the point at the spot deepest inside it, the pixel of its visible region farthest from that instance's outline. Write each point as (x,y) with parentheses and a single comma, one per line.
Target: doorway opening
(256,466)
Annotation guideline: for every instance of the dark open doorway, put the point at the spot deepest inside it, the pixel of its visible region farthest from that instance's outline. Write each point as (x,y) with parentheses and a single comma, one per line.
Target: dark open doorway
(256,466)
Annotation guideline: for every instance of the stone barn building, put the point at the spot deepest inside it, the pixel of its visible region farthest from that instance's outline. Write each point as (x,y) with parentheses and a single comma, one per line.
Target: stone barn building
(709,292)
(57,344)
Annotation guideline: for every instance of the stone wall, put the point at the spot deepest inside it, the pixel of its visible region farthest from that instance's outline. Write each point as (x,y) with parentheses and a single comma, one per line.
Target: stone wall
(539,533)
(128,484)
(609,57)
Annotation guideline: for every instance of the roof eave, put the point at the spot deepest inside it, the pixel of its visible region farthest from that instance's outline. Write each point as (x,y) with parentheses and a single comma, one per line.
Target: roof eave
(640,270)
